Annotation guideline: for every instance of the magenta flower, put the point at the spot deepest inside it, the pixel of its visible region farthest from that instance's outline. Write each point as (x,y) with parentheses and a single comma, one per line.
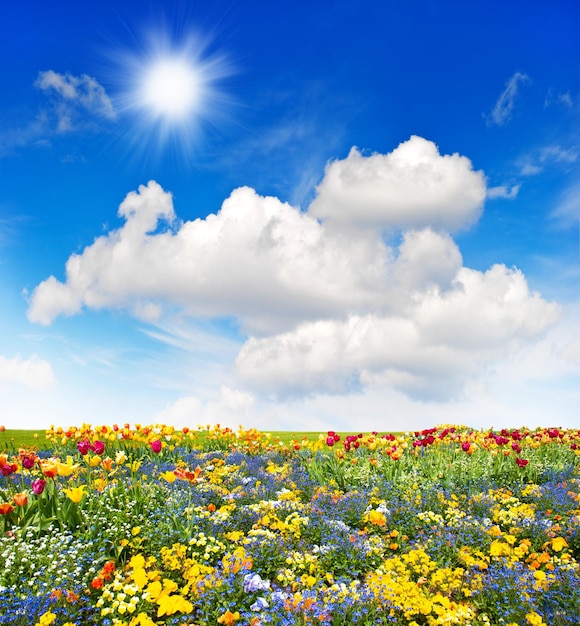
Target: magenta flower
(38,486)
(84,446)
(9,469)
(156,446)
(28,462)
(99,447)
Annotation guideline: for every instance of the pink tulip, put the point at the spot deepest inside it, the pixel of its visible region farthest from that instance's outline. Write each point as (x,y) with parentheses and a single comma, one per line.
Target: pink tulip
(99,447)
(84,446)
(38,486)
(156,446)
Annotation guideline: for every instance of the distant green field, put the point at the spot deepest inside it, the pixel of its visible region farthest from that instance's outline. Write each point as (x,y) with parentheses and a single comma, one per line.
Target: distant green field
(14,439)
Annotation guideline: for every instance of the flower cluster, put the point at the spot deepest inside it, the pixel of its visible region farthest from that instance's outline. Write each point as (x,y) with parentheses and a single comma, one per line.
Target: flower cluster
(151,526)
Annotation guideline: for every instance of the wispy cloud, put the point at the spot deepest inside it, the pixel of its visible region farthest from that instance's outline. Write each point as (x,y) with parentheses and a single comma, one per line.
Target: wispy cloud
(503,191)
(563,99)
(535,162)
(567,211)
(75,96)
(502,111)
(74,104)
(293,136)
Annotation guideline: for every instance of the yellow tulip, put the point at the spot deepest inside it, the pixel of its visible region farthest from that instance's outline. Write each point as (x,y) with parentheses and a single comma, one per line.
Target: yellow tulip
(75,493)
(95,460)
(66,469)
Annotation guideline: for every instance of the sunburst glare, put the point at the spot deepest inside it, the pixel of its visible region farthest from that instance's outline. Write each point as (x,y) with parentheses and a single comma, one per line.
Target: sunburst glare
(170,94)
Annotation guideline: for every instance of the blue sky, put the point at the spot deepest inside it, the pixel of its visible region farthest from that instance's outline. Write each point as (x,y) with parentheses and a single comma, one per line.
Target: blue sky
(295,216)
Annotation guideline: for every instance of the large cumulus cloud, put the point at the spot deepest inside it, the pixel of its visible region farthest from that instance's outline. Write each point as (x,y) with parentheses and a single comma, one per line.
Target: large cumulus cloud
(325,302)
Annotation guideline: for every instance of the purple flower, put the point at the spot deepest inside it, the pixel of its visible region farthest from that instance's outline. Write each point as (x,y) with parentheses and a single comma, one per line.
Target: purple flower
(156,446)
(38,486)
(254,582)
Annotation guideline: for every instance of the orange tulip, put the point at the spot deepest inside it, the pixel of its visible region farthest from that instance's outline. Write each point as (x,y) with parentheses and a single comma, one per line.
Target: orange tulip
(21,499)
(6,508)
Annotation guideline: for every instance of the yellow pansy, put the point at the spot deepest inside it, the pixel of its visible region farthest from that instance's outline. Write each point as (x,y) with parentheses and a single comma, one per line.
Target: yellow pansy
(377,518)
(558,543)
(46,619)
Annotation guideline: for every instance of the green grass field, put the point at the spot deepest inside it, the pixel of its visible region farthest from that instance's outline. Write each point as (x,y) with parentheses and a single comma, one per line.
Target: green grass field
(12,439)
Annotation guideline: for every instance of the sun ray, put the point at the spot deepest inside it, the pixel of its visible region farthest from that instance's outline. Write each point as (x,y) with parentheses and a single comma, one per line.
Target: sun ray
(169,92)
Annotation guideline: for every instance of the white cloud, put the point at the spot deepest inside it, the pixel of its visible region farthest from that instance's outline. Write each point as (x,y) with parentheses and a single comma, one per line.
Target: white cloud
(502,111)
(432,348)
(258,259)
(74,97)
(33,372)
(323,307)
(231,408)
(503,191)
(412,187)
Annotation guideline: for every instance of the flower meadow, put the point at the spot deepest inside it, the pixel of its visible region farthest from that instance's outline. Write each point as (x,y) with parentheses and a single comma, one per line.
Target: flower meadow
(152,525)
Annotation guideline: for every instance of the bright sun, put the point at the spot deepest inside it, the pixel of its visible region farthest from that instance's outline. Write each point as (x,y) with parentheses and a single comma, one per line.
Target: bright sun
(170,93)
(171,88)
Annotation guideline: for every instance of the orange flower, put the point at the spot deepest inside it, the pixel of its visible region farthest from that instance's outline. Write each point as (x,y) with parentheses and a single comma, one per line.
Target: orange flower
(108,569)
(21,499)
(187,475)
(6,508)
(97,583)
(49,467)
(228,618)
